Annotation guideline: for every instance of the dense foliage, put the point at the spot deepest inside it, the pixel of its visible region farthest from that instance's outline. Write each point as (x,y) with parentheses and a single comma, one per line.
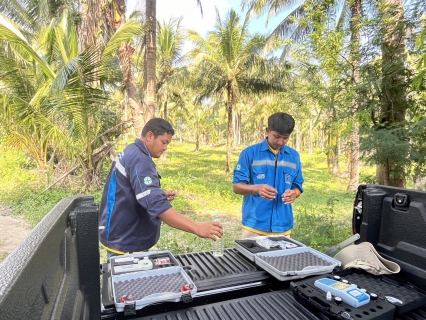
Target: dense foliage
(352,73)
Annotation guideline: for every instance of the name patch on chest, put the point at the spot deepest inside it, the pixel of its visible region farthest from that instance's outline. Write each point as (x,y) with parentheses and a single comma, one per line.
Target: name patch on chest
(260,176)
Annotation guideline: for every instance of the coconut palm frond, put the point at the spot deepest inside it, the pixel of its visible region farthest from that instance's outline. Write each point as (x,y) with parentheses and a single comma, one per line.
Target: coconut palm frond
(19,12)
(9,33)
(132,28)
(200,6)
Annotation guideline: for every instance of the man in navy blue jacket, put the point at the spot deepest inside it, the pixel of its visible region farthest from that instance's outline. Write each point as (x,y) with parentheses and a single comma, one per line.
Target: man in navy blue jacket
(133,203)
(269,176)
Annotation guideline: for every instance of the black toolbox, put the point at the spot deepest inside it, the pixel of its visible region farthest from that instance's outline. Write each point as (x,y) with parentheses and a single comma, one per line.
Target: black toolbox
(394,221)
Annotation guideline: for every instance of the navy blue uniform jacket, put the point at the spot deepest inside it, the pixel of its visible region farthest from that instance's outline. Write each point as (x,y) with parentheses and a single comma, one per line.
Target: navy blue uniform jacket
(131,202)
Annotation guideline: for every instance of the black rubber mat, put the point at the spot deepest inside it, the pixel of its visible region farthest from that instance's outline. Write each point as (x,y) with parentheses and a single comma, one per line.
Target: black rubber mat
(209,273)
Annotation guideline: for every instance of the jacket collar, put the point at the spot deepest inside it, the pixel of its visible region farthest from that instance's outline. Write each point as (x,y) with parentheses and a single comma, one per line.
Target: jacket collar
(264,146)
(142,146)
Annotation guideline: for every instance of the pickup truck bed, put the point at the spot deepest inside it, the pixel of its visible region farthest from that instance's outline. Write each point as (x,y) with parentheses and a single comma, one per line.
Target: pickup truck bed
(55,273)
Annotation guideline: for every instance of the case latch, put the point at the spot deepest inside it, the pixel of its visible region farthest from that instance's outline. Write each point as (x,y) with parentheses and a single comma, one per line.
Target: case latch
(186,296)
(130,308)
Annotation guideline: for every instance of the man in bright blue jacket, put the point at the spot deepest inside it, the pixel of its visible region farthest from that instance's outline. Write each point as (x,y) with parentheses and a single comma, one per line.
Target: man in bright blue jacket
(133,203)
(269,176)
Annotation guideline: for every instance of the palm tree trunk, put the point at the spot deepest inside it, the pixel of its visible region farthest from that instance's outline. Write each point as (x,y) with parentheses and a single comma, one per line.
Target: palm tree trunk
(237,127)
(298,144)
(126,53)
(150,59)
(97,22)
(165,105)
(93,13)
(354,138)
(230,128)
(310,136)
(91,16)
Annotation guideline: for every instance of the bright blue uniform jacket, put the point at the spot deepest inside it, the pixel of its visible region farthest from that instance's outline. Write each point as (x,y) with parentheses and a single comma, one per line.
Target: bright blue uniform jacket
(132,201)
(258,165)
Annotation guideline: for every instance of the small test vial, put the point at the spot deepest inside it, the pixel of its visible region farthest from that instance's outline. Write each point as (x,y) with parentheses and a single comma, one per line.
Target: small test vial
(218,244)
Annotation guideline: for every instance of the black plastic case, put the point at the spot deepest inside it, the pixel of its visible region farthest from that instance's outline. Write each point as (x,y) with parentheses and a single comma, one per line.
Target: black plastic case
(314,298)
(394,221)
(404,296)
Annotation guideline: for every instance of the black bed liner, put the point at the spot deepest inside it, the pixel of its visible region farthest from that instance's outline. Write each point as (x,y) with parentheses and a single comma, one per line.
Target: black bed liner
(272,305)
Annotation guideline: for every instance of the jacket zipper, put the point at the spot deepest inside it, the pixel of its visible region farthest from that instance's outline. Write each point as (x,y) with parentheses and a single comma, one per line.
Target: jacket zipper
(275,200)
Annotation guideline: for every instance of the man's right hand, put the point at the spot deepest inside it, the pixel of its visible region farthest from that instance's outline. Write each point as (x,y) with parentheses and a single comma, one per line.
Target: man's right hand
(267,192)
(203,230)
(210,230)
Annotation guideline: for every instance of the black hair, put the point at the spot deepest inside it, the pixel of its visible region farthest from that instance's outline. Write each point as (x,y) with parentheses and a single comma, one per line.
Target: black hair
(158,127)
(281,122)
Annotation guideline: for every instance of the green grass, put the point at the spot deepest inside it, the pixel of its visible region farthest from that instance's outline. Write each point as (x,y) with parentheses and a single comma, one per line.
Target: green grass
(322,213)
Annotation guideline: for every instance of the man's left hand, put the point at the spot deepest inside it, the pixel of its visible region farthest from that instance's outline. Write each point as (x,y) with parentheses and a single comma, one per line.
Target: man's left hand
(289,196)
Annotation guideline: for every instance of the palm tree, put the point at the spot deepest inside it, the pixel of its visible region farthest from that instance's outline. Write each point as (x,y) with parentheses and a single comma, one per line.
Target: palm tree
(170,42)
(229,64)
(99,22)
(54,99)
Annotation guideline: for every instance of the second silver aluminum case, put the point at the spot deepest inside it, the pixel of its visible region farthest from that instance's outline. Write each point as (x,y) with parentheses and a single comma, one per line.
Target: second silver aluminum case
(297,273)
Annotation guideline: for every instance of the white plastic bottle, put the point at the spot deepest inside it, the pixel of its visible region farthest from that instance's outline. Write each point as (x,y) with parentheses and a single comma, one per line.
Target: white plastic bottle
(218,244)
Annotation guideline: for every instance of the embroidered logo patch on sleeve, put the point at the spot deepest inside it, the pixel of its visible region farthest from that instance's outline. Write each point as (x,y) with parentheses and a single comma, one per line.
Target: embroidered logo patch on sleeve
(238,167)
(147,180)
(288,178)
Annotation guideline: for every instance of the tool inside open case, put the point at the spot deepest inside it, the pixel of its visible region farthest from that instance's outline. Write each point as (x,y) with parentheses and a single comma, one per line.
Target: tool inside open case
(142,262)
(251,246)
(146,278)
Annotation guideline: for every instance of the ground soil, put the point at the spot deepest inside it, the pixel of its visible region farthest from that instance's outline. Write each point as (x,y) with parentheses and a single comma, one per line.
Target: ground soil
(12,231)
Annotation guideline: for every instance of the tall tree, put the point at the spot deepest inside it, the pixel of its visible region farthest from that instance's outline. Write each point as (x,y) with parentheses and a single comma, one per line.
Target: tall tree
(150,93)
(170,42)
(390,171)
(355,23)
(229,64)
